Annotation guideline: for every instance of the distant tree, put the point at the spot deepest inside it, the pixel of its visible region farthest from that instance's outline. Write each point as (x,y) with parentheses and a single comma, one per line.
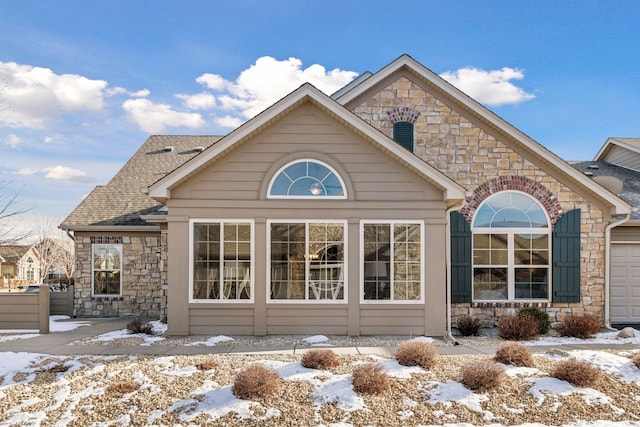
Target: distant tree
(53,254)
(11,208)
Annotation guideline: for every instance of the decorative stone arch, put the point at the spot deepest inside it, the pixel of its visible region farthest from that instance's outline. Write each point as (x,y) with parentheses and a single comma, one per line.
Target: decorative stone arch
(518,183)
(403,114)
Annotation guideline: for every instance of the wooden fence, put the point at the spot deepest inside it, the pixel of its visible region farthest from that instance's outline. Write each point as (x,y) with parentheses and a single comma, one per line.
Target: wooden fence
(62,302)
(25,311)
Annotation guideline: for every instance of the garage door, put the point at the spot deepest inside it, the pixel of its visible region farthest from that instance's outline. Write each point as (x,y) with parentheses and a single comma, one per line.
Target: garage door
(625,283)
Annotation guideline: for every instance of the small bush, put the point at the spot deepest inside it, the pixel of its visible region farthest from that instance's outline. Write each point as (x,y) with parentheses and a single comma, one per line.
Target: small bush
(137,326)
(515,354)
(256,382)
(320,359)
(206,363)
(468,326)
(636,360)
(56,369)
(580,326)
(417,353)
(576,372)
(482,376)
(544,324)
(517,327)
(122,387)
(370,379)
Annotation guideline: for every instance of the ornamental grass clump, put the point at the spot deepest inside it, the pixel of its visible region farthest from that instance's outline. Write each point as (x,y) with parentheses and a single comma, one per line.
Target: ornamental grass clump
(580,326)
(636,360)
(370,379)
(122,387)
(517,327)
(256,382)
(206,364)
(417,353)
(576,372)
(468,326)
(137,326)
(482,376)
(320,359)
(514,354)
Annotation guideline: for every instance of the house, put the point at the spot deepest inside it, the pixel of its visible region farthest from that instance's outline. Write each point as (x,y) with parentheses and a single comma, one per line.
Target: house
(18,262)
(617,167)
(394,206)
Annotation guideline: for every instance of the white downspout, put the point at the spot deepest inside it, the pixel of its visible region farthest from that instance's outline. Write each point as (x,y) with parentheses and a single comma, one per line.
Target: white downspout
(607,269)
(447,248)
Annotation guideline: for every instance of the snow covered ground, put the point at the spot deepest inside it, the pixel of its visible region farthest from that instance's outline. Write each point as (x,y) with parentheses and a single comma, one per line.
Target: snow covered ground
(171,390)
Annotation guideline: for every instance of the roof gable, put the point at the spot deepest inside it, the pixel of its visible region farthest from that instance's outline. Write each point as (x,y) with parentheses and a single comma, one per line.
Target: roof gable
(623,152)
(517,140)
(307,93)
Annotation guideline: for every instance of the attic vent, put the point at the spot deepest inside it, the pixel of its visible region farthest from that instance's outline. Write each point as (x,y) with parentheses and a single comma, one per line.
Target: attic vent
(588,173)
(168,148)
(593,167)
(198,149)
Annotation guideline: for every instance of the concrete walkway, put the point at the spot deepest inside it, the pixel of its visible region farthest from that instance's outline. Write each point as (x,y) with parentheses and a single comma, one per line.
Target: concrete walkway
(62,343)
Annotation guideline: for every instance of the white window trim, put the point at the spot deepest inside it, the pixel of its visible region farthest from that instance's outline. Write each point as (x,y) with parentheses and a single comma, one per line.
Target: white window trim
(422,262)
(510,232)
(277,174)
(222,221)
(345,267)
(93,270)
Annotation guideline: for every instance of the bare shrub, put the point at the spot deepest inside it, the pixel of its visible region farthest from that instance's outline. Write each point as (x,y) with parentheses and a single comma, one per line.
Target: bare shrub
(468,326)
(56,369)
(636,360)
(580,326)
(256,382)
(577,372)
(517,327)
(206,363)
(122,387)
(417,353)
(370,379)
(320,359)
(137,326)
(515,354)
(544,324)
(482,376)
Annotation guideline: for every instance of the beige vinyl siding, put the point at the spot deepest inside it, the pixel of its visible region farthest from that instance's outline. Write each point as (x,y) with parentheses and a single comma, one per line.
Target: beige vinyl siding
(624,157)
(378,187)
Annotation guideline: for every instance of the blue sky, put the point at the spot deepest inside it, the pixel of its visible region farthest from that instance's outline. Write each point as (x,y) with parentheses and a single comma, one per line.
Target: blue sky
(83,84)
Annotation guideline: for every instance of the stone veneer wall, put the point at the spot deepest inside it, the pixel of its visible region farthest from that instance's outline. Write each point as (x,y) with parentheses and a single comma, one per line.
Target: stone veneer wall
(144,279)
(472,157)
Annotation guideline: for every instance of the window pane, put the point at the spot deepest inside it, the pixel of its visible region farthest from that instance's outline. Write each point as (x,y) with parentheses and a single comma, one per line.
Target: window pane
(531,283)
(490,283)
(306,179)
(377,254)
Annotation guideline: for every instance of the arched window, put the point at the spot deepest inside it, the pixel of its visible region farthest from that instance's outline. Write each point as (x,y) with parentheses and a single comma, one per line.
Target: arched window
(403,134)
(307,179)
(511,248)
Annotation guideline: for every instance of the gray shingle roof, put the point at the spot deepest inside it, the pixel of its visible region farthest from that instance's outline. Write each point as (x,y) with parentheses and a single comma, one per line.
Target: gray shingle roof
(630,179)
(122,200)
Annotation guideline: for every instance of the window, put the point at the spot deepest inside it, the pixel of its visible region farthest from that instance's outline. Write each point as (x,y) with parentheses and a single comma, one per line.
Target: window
(307,261)
(392,261)
(107,268)
(511,238)
(307,179)
(222,261)
(403,134)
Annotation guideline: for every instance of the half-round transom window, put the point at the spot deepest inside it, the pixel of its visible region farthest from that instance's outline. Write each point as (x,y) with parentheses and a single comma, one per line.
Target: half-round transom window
(307,179)
(510,209)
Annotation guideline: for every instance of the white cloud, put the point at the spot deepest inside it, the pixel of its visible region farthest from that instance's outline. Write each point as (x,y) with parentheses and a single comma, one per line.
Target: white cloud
(12,140)
(36,95)
(268,80)
(228,122)
(26,171)
(122,91)
(65,173)
(153,118)
(199,101)
(489,87)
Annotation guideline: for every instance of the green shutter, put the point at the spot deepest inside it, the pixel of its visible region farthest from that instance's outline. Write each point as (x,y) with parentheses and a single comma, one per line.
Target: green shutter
(403,134)
(460,258)
(566,258)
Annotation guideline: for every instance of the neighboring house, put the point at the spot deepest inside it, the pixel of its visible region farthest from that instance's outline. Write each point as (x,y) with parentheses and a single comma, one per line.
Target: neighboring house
(19,262)
(617,167)
(395,206)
